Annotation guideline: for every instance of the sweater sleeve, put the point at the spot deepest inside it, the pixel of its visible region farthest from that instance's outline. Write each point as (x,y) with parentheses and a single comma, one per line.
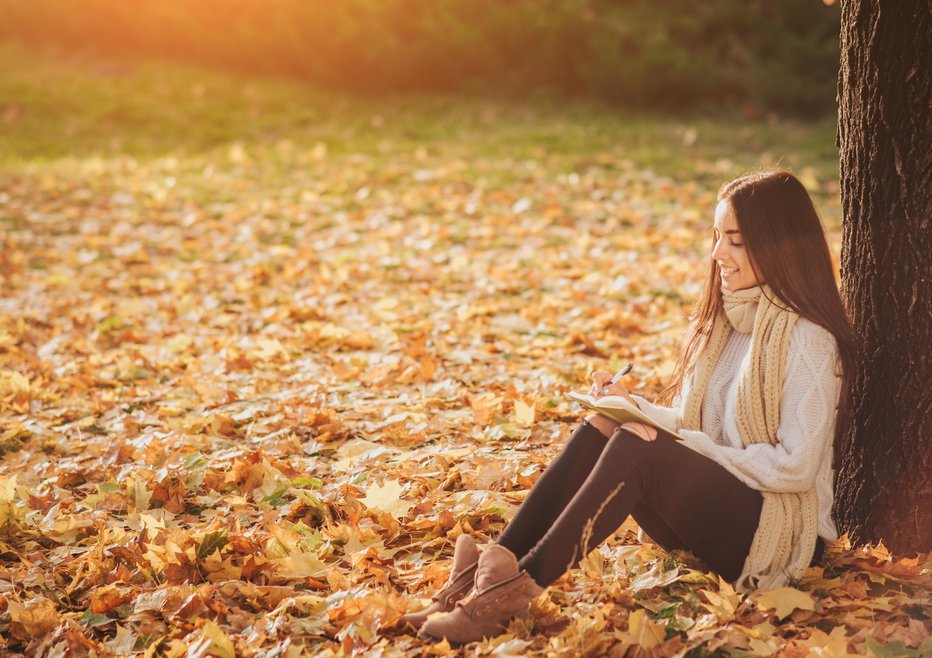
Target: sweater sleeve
(807,420)
(668,417)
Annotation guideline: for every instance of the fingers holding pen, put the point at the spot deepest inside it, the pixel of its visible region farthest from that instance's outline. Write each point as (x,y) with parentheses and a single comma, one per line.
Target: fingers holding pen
(599,379)
(603,383)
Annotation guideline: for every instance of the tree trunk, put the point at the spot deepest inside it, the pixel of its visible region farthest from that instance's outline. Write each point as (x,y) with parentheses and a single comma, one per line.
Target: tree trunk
(884,483)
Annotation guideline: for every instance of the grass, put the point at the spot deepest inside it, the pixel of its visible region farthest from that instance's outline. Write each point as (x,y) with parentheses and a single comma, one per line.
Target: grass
(65,110)
(59,105)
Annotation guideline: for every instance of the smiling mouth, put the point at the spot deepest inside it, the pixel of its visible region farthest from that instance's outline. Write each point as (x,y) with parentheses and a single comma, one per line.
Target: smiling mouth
(727,271)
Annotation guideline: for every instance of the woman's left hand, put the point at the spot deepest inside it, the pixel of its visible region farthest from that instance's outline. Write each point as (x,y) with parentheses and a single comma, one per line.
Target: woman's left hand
(643,431)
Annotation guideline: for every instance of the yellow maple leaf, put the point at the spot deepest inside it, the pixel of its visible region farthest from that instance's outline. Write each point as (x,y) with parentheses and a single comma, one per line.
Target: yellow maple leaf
(213,641)
(138,493)
(525,413)
(300,565)
(642,631)
(37,617)
(12,381)
(784,600)
(722,604)
(7,493)
(827,645)
(387,497)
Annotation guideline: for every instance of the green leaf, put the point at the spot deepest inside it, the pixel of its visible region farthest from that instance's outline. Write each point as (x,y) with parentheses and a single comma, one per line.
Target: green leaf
(95,429)
(897,649)
(276,498)
(93,620)
(306,483)
(197,460)
(212,541)
(311,500)
(109,323)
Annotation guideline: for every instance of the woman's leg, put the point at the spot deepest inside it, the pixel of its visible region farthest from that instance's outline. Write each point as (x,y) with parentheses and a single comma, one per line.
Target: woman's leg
(658,529)
(553,490)
(559,483)
(646,518)
(710,510)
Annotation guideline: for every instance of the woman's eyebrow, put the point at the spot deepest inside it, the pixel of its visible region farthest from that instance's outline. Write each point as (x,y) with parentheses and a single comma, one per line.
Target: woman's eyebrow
(732,231)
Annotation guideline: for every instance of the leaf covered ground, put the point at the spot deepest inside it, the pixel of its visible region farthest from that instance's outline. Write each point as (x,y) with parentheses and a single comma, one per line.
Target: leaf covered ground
(265,354)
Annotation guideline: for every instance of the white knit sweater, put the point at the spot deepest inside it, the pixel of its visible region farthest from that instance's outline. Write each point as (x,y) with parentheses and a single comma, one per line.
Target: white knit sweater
(803,456)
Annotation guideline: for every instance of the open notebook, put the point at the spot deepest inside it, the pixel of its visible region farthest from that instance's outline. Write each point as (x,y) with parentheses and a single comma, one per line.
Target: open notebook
(620,410)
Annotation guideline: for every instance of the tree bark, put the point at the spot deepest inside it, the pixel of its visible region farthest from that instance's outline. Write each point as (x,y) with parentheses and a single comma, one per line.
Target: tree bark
(883,488)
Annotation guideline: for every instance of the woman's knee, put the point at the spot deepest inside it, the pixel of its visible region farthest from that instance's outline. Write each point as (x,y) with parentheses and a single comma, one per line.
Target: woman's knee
(606,426)
(642,460)
(624,440)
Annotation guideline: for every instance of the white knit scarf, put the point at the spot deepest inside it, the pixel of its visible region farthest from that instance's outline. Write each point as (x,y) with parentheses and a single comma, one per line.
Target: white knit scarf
(786,534)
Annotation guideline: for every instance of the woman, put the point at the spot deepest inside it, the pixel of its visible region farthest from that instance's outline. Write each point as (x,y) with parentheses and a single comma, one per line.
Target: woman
(757,396)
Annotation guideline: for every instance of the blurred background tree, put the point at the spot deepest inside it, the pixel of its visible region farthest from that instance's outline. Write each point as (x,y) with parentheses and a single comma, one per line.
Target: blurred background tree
(751,55)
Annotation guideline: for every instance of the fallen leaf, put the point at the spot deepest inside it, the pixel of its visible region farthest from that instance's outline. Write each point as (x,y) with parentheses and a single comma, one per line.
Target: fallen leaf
(525,414)
(784,600)
(209,640)
(642,631)
(387,497)
(35,618)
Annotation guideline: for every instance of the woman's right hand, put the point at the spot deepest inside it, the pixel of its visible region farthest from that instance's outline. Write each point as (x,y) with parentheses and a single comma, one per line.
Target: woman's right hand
(601,379)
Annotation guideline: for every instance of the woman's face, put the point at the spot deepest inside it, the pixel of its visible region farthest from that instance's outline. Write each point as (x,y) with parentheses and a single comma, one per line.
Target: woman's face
(729,251)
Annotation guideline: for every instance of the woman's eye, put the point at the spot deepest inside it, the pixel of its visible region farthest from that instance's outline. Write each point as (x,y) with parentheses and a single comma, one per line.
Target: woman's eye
(736,244)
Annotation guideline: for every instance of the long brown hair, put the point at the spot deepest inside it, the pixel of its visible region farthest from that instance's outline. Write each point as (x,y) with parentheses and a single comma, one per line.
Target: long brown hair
(788,250)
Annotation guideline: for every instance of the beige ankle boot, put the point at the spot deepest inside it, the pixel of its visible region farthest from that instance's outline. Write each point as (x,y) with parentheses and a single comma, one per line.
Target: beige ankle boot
(465,560)
(501,593)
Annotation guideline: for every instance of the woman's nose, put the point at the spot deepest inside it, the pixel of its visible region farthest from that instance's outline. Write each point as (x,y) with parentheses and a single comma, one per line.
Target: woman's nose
(717,249)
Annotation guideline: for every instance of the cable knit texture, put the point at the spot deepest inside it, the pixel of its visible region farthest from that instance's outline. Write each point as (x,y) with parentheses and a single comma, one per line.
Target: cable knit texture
(761,401)
(807,420)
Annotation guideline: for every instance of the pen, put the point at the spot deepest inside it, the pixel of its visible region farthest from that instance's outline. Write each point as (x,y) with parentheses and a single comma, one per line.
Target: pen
(621,373)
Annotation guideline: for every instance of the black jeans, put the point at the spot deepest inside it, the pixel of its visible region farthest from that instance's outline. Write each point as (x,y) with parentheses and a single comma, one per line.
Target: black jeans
(682,499)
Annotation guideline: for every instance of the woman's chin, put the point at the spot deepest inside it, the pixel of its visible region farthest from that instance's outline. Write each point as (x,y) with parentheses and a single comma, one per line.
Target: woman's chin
(734,286)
